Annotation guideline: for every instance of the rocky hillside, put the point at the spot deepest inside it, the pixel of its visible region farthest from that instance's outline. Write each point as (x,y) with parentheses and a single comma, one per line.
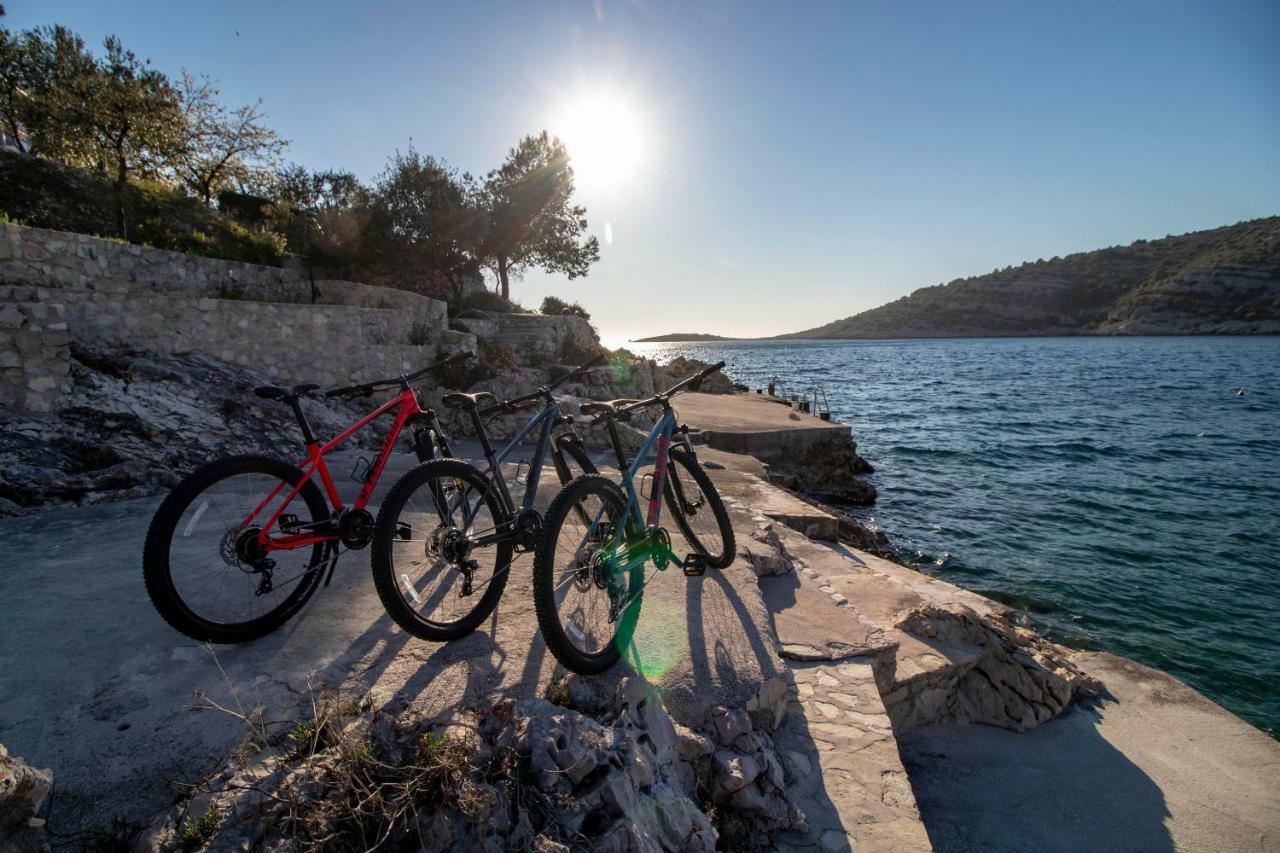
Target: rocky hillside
(1223,281)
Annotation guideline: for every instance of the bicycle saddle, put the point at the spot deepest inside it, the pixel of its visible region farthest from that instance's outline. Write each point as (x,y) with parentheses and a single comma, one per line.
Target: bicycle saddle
(606,407)
(274,392)
(456,399)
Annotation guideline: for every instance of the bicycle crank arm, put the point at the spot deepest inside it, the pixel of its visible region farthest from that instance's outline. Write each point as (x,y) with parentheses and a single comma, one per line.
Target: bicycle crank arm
(332,553)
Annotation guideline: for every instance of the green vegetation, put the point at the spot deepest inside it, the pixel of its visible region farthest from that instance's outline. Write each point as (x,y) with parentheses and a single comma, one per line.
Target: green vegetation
(559,308)
(200,831)
(108,145)
(1091,292)
(45,194)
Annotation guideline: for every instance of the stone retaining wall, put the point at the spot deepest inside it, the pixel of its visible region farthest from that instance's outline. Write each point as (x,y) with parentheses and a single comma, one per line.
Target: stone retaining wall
(536,338)
(35,355)
(329,344)
(97,289)
(41,256)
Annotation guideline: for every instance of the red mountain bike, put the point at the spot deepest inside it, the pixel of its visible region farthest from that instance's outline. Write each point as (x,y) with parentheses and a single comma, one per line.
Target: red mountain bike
(240,545)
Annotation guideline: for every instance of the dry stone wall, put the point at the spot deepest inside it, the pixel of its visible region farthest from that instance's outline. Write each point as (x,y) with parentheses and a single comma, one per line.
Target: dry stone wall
(57,287)
(34,353)
(535,338)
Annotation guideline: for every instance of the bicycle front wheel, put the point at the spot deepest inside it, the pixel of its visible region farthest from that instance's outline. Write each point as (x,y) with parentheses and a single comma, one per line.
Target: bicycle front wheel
(698,511)
(201,562)
(442,550)
(587,602)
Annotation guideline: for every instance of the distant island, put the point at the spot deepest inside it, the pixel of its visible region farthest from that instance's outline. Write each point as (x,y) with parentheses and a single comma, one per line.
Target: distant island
(680,336)
(1224,281)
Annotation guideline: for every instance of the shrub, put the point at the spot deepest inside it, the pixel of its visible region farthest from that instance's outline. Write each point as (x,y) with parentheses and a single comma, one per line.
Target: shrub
(485,300)
(573,352)
(556,307)
(43,194)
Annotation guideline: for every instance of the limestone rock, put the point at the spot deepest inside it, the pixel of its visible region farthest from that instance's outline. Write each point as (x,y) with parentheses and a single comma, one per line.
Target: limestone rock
(765,553)
(1017,680)
(22,790)
(528,774)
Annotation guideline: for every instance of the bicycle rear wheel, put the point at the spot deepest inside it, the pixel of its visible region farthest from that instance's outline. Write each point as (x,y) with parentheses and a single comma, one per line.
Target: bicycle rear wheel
(587,605)
(199,561)
(698,511)
(436,580)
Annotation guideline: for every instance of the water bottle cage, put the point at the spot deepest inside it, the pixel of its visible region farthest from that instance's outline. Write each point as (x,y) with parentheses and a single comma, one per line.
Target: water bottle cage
(646,486)
(361,471)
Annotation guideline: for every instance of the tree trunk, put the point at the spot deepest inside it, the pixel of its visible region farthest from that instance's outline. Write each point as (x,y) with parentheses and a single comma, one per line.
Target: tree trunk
(503,280)
(121,183)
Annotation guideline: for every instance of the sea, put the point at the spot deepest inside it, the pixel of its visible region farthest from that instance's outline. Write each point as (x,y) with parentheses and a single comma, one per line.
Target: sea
(1121,493)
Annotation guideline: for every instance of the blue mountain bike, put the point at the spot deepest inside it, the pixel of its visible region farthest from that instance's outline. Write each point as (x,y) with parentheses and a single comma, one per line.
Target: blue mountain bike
(599,551)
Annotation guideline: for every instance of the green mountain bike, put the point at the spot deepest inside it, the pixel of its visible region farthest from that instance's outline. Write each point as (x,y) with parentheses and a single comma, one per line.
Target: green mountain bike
(598,551)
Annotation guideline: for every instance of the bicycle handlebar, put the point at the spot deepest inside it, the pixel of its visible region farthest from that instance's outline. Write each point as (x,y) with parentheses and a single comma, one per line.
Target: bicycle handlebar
(695,380)
(367,388)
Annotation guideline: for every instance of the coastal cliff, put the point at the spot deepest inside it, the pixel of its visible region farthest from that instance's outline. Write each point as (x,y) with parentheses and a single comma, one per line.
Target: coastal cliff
(1225,281)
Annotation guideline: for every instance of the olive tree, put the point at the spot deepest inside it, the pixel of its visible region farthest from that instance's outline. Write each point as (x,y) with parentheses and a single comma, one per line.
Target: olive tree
(221,147)
(526,217)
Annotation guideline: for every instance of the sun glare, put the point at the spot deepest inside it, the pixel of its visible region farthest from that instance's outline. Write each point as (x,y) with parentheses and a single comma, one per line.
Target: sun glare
(604,137)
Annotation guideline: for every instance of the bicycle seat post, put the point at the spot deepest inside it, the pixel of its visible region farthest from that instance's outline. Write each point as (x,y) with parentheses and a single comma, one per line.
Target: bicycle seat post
(481,433)
(308,436)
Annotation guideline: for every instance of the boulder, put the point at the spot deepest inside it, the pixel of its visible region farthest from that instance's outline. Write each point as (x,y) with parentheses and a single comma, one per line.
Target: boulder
(22,791)
(765,552)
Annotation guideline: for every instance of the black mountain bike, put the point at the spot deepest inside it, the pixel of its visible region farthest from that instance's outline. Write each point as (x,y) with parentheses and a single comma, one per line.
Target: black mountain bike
(447,531)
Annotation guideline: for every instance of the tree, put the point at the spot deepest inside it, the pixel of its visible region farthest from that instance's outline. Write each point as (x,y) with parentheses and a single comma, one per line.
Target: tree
(46,75)
(328,190)
(526,216)
(221,147)
(134,120)
(420,225)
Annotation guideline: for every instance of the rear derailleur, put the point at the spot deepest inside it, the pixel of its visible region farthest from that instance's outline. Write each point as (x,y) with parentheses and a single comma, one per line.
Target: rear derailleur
(253,560)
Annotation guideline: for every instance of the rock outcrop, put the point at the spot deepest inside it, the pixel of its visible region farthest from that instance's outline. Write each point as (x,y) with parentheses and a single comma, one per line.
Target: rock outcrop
(22,791)
(1004,676)
(524,774)
(134,422)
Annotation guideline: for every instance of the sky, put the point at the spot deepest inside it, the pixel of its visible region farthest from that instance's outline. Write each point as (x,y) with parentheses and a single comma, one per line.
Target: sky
(782,165)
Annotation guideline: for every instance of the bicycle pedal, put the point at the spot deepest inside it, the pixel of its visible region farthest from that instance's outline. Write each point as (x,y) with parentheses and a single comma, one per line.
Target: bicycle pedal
(693,566)
(290,524)
(403,531)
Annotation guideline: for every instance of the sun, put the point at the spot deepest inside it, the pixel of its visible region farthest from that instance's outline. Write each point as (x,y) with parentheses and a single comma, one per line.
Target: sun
(605,138)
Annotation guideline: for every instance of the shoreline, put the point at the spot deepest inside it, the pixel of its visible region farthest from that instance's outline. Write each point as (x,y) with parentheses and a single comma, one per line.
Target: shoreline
(851,670)
(954,495)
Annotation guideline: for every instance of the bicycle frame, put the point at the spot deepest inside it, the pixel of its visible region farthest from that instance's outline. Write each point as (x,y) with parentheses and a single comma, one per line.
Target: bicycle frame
(545,422)
(407,408)
(546,419)
(634,524)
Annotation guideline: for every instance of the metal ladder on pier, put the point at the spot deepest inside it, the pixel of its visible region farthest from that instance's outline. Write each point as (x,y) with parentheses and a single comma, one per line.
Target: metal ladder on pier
(812,400)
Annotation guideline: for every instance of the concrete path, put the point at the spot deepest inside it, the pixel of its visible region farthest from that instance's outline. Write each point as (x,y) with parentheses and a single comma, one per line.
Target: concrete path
(758,426)
(1153,766)
(94,685)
